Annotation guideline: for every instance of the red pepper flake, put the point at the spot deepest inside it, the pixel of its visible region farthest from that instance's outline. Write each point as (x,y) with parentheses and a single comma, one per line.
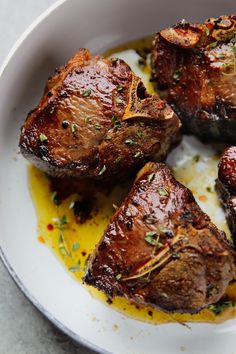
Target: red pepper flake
(50,227)
(150,313)
(83,253)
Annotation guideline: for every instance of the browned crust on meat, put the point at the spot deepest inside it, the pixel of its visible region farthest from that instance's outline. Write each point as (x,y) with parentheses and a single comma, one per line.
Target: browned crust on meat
(190,265)
(113,124)
(195,67)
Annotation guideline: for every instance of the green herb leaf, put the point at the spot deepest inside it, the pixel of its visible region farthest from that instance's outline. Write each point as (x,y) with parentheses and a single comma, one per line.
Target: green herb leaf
(150,219)
(76,268)
(150,237)
(86,93)
(119,88)
(130,142)
(115,121)
(220,307)
(151,177)
(163,192)
(176,75)
(119,101)
(213,44)
(63,251)
(87,120)
(102,170)
(228,64)
(75,246)
(43,138)
(61,222)
(118,160)
(207,31)
(139,134)
(196,158)
(138,154)
(97,126)
(55,199)
(209,189)
(74,127)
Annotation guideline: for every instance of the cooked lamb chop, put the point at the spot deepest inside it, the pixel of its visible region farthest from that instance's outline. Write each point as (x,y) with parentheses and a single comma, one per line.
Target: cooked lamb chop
(195,65)
(160,249)
(96,119)
(226,187)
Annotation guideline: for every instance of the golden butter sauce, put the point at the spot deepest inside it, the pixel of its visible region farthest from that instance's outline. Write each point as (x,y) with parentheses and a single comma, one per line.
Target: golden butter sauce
(73,242)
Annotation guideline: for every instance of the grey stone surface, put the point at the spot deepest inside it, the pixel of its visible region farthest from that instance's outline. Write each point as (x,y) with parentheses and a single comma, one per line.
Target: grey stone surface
(23,330)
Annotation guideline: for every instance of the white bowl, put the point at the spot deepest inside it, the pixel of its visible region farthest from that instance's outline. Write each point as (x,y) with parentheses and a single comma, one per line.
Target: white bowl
(48,43)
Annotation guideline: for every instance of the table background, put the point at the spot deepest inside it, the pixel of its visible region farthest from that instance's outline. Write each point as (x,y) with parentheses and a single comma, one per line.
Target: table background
(23,330)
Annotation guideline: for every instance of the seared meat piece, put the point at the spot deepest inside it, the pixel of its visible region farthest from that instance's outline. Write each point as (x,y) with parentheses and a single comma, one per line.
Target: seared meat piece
(226,187)
(96,119)
(160,249)
(195,65)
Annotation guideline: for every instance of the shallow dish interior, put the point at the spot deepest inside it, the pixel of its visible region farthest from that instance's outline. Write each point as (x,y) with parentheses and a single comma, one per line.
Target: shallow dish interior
(98,26)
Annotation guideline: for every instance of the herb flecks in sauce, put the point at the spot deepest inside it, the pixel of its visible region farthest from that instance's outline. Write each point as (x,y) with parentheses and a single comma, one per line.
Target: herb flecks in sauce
(94,227)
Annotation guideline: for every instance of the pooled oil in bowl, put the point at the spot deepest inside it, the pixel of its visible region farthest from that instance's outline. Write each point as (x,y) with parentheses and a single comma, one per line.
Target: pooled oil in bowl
(73,238)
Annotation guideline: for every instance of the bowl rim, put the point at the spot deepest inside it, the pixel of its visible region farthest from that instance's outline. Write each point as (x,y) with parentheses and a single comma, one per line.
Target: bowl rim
(74,336)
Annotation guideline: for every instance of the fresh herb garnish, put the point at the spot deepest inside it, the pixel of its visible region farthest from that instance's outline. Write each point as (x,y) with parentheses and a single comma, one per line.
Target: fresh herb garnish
(176,75)
(196,158)
(102,170)
(139,134)
(76,268)
(119,101)
(118,276)
(86,93)
(87,120)
(43,138)
(207,31)
(74,127)
(130,142)
(209,189)
(175,255)
(75,246)
(151,177)
(162,192)
(150,218)
(60,224)
(118,159)
(55,199)
(115,121)
(213,44)
(97,126)
(119,88)
(150,237)
(138,154)
(218,308)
